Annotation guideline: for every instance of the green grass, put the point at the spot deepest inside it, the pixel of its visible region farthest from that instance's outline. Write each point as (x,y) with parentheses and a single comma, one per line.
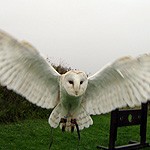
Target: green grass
(35,135)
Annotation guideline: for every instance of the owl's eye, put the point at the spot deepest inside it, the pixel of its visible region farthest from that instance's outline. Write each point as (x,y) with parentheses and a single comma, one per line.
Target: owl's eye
(71,82)
(81,82)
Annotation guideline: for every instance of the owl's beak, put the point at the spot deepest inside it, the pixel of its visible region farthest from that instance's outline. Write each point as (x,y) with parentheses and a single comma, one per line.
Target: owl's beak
(77,88)
(76,92)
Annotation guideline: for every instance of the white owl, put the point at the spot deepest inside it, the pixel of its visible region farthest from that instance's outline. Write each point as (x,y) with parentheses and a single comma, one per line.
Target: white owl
(73,95)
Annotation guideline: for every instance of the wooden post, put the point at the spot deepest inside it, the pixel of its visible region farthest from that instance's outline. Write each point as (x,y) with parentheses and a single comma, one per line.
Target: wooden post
(122,118)
(143,125)
(113,129)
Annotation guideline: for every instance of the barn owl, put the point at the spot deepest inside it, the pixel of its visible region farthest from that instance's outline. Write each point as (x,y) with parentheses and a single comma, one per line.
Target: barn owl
(73,96)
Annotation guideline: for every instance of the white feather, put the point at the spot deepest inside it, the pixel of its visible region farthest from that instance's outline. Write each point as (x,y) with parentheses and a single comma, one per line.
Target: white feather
(124,82)
(23,70)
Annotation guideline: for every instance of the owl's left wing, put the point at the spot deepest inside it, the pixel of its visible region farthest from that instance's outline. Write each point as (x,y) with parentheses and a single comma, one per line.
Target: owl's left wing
(124,82)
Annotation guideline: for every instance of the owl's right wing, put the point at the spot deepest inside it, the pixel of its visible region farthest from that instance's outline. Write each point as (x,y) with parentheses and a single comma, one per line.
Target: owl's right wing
(24,71)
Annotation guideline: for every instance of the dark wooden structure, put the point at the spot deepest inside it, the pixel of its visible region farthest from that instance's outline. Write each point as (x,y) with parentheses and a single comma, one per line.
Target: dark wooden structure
(121,118)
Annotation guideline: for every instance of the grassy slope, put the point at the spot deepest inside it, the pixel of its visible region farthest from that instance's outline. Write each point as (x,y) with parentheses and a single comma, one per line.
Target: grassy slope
(35,135)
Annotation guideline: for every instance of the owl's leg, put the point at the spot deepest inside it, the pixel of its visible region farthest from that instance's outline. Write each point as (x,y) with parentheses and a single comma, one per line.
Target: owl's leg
(73,124)
(73,121)
(63,121)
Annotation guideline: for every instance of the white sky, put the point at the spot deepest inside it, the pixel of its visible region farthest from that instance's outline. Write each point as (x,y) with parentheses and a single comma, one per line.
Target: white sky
(83,34)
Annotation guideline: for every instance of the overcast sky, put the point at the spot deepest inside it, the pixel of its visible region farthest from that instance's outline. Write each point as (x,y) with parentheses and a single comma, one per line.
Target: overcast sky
(83,34)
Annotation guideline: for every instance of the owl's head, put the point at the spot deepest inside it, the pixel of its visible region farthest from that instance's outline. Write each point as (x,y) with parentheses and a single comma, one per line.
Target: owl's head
(75,82)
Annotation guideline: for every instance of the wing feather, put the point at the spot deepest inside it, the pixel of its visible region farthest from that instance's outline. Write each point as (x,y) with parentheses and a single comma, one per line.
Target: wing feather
(124,82)
(23,70)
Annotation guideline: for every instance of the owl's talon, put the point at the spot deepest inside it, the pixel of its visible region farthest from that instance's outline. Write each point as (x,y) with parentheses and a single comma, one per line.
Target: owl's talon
(63,121)
(73,121)
(72,128)
(73,124)
(63,128)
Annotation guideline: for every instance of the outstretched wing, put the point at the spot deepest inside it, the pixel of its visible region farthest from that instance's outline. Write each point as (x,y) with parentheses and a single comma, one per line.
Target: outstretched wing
(124,82)
(23,70)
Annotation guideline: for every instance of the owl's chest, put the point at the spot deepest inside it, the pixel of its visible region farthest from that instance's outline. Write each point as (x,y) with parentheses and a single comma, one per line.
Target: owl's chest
(70,103)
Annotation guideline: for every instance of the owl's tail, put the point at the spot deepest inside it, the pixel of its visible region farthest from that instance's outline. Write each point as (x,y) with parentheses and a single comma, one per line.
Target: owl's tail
(81,119)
